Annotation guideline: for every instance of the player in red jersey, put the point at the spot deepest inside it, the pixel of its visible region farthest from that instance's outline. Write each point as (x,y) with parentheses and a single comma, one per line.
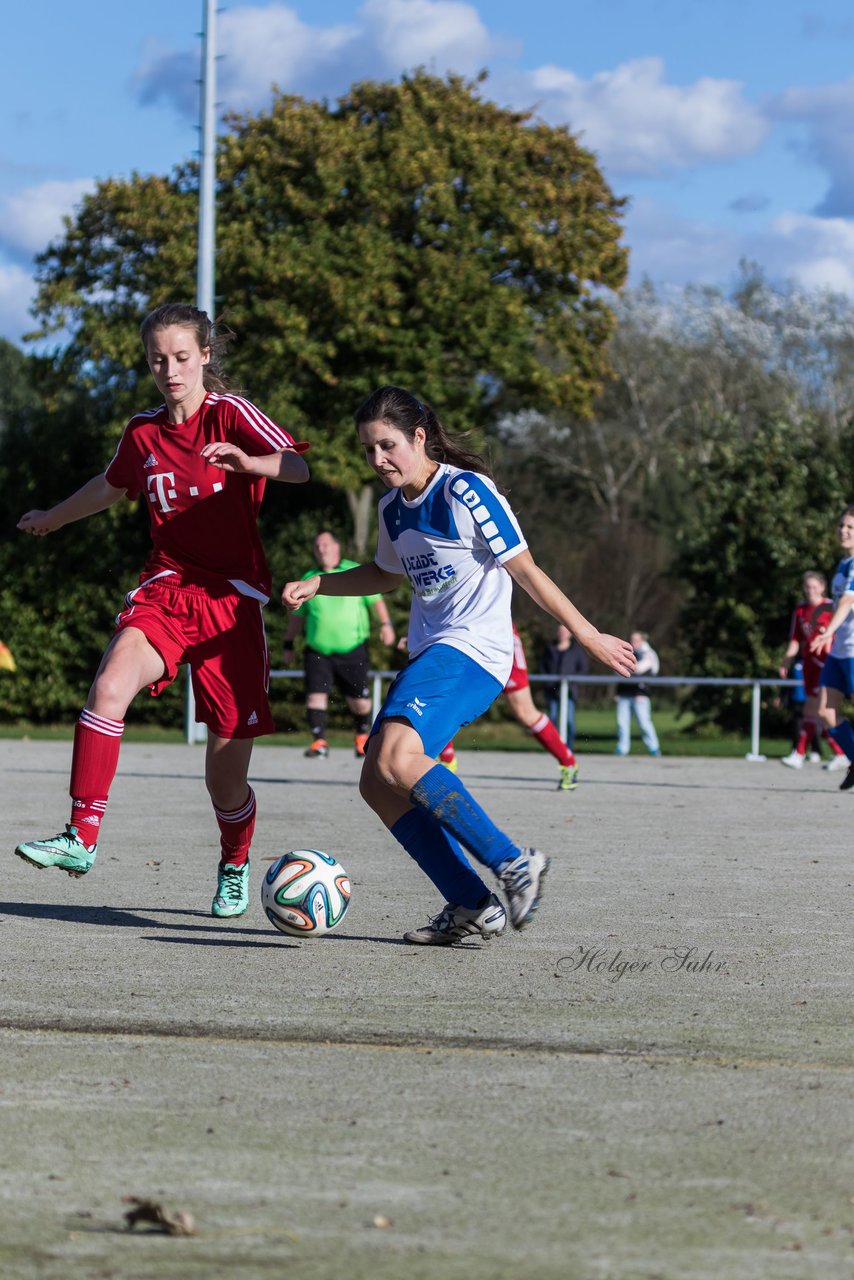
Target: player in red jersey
(809,620)
(517,691)
(201,461)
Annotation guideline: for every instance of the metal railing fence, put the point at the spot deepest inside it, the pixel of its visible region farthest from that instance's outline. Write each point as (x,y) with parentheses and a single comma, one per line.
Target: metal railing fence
(756,686)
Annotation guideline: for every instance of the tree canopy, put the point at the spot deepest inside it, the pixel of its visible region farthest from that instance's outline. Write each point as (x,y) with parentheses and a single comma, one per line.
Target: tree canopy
(411,233)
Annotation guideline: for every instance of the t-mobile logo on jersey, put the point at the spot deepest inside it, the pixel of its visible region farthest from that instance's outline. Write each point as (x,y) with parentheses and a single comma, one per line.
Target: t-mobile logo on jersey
(161,489)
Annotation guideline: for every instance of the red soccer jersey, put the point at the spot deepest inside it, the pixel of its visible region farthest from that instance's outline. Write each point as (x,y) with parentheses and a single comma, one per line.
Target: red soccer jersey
(203,520)
(809,621)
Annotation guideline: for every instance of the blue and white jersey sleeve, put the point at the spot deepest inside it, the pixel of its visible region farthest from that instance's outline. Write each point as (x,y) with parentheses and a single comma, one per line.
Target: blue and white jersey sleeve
(843,584)
(451,542)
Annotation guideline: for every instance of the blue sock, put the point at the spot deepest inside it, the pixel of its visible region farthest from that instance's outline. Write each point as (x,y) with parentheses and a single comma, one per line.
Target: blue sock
(843,733)
(454,808)
(439,857)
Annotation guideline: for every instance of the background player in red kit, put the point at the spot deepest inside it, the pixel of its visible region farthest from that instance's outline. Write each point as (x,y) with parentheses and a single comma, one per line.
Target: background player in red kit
(201,461)
(809,620)
(517,691)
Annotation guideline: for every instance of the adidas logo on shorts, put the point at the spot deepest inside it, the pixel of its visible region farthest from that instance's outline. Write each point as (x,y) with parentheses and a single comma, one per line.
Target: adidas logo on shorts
(253,719)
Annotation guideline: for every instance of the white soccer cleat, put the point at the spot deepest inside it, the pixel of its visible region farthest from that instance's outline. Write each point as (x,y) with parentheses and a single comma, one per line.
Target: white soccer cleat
(456,924)
(522,881)
(793,761)
(838,762)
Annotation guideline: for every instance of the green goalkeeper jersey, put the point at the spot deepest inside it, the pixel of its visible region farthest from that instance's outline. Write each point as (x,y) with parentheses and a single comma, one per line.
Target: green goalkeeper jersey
(336,624)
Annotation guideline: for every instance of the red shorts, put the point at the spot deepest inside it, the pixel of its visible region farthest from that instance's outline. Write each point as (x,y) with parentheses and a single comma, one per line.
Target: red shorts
(812,667)
(518,678)
(220,634)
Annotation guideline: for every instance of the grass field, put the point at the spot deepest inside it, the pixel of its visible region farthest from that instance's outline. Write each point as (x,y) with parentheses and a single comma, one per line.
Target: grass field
(596,734)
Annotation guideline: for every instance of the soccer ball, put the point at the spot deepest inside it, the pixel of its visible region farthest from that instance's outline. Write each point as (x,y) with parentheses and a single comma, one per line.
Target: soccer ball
(305,893)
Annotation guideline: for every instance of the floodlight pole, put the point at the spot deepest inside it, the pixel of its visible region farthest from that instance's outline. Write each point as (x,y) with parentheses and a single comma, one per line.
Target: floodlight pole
(207,235)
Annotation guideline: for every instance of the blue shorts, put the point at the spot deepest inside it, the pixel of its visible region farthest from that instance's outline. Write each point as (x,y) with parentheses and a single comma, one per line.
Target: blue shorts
(438,692)
(838,673)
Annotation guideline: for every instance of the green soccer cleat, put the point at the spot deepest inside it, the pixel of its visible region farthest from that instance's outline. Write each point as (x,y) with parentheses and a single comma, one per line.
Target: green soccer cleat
(65,851)
(232,890)
(568,777)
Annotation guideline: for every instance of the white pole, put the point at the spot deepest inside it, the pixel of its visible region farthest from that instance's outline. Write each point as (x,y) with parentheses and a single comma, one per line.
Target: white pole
(207,170)
(207,238)
(754,754)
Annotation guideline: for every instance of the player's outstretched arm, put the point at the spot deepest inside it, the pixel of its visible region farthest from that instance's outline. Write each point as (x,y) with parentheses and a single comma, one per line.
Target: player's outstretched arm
(364,580)
(96,495)
(609,650)
(285,465)
(822,643)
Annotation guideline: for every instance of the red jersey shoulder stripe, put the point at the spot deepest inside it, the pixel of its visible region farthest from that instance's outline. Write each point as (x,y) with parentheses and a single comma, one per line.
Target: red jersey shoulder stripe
(274,435)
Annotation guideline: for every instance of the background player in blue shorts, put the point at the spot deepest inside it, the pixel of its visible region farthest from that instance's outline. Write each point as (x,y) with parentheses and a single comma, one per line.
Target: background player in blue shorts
(837,677)
(446,528)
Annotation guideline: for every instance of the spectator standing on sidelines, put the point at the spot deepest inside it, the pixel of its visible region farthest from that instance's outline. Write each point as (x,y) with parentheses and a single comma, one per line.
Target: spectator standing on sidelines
(337,629)
(633,699)
(201,460)
(836,682)
(563,657)
(809,620)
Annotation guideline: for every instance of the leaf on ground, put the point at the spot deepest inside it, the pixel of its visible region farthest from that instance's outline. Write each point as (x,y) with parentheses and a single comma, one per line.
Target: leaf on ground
(154,1215)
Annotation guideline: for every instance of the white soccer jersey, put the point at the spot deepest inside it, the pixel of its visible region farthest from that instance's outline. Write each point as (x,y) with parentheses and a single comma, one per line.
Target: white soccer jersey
(843,584)
(451,542)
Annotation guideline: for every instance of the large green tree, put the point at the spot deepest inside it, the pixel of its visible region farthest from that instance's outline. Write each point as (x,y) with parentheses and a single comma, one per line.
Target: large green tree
(764,512)
(412,233)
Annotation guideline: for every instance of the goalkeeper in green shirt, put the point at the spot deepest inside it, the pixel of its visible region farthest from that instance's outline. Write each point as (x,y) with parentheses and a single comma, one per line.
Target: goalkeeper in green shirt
(336,648)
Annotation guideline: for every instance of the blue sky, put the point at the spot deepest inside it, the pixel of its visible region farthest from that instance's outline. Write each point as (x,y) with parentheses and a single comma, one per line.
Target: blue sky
(729,124)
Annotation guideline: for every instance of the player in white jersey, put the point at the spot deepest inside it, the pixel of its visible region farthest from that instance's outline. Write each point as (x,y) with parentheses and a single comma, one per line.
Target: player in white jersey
(837,676)
(448,530)
(201,461)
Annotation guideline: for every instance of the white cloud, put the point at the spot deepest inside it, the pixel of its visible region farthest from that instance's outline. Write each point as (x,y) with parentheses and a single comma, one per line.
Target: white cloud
(819,252)
(638,124)
(670,248)
(814,253)
(16,293)
(32,217)
(261,46)
(827,113)
(444,33)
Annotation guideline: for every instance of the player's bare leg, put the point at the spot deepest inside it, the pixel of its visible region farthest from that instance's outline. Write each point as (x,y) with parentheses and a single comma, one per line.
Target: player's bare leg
(538,724)
(128,665)
(227,781)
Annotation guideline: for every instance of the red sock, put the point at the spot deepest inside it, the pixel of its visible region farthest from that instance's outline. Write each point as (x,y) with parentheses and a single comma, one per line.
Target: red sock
(805,738)
(97,741)
(832,743)
(547,736)
(447,754)
(236,828)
